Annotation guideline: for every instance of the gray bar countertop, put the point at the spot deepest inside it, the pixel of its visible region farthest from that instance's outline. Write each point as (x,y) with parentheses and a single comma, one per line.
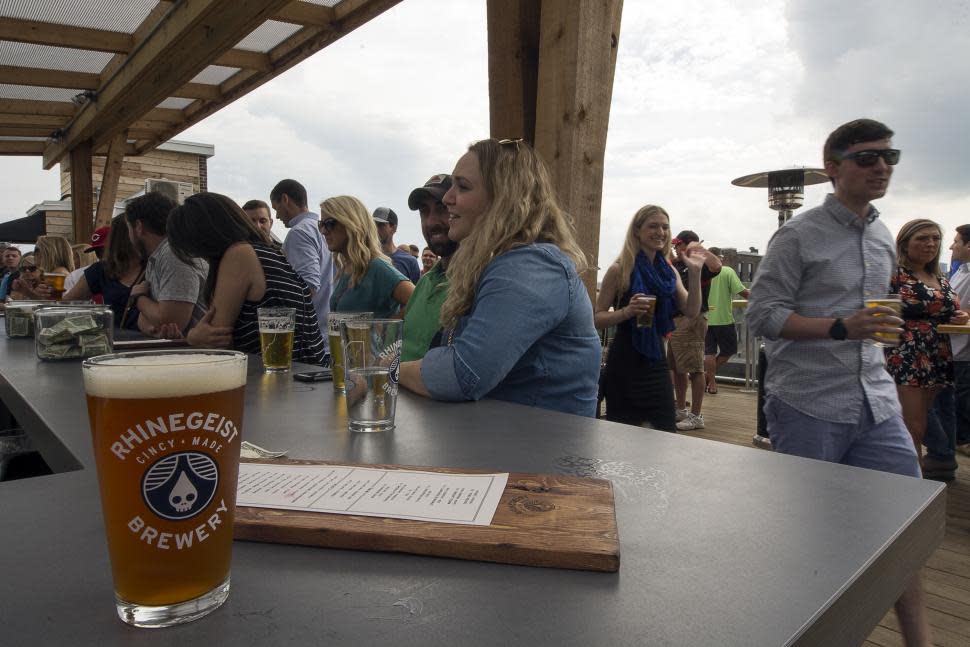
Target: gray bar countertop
(720,545)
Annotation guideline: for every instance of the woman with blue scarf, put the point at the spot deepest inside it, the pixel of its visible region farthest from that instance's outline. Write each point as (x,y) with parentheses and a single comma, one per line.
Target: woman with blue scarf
(636,382)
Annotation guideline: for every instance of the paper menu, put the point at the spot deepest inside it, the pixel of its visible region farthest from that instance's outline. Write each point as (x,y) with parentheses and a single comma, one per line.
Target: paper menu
(374,492)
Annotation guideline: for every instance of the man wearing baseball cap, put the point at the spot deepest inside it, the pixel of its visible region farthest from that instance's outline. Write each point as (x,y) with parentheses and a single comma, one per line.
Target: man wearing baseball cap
(686,354)
(421,318)
(97,243)
(386,221)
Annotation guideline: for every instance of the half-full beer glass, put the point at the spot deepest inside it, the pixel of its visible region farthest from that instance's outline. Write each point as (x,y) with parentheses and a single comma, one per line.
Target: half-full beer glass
(372,365)
(166,430)
(336,350)
(894,301)
(276,329)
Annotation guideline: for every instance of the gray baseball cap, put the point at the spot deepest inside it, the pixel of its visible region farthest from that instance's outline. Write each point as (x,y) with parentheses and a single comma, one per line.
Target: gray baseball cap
(385,216)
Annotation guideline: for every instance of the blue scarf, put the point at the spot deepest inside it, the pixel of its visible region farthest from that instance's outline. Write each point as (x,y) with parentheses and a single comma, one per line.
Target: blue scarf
(657,278)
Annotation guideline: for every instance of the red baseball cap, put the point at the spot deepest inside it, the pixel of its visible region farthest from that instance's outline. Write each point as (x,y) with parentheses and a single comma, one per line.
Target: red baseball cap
(98,239)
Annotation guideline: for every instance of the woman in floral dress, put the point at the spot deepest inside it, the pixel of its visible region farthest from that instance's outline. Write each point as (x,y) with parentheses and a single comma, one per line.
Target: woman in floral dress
(922,363)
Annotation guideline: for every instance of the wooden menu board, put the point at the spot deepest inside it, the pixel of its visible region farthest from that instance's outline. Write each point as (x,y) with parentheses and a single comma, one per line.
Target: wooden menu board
(542,520)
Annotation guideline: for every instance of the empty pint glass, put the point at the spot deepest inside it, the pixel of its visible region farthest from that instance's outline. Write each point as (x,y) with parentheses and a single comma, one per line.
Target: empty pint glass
(372,365)
(886,339)
(336,351)
(166,430)
(276,329)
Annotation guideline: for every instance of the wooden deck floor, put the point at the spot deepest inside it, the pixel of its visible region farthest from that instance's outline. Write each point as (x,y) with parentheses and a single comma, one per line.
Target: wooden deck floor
(729,417)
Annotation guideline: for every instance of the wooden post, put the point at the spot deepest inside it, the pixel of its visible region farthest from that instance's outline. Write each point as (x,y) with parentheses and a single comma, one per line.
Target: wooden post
(82,192)
(577,57)
(513,67)
(109,180)
(550,67)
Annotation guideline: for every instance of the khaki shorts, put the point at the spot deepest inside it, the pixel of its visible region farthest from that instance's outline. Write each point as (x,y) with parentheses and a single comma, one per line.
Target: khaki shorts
(687,343)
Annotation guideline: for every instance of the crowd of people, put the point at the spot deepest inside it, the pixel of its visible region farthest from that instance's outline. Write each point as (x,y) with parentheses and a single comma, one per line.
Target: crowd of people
(497,306)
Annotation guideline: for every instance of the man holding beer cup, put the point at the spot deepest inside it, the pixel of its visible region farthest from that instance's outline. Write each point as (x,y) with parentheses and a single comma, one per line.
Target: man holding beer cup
(828,395)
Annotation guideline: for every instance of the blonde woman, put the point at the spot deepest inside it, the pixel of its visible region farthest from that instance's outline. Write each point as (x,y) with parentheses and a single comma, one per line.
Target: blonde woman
(53,255)
(366,281)
(518,323)
(26,282)
(922,364)
(637,382)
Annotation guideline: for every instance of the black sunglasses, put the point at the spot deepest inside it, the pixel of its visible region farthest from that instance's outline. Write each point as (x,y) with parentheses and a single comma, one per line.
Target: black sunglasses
(29,268)
(326,226)
(868,158)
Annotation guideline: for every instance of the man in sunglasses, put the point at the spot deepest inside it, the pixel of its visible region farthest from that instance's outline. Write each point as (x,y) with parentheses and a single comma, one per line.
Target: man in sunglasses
(424,307)
(828,395)
(304,247)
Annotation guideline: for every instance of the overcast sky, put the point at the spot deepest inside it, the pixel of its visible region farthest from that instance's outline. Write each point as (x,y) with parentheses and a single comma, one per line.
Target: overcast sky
(705,91)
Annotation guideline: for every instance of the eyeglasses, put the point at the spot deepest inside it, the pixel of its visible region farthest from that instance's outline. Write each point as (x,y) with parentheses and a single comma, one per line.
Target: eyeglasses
(326,226)
(29,268)
(865,159)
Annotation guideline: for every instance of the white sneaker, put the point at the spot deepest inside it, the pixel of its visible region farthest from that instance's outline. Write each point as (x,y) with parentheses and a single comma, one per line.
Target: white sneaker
(682,414)
(691,422)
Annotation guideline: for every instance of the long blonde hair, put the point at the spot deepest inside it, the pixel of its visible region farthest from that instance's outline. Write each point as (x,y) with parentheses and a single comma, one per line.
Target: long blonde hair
(522,209)
(51,252)
(363,243)
(631,244)
(906,232)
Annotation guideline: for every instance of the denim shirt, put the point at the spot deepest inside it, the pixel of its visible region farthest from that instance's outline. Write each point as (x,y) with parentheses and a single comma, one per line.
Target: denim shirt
(528,338)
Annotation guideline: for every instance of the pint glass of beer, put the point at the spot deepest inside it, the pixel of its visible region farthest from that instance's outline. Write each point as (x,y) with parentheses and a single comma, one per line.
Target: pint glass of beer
(645,319)
(336,351)
(276,328)
(886,339)
(166,430)
(372,366)
(56,283)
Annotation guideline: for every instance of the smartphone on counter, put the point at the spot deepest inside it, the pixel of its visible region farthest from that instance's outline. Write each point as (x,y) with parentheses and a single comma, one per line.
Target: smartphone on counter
(323,375)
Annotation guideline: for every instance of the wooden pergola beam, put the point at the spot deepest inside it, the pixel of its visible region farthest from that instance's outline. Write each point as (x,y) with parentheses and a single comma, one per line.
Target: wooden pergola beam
(41,77)
(26,107)
(115,42)
(154,70)
(513,68)
(22,147)
(348,16)
(306,14)
(82,191)
(559,78)
(109,180)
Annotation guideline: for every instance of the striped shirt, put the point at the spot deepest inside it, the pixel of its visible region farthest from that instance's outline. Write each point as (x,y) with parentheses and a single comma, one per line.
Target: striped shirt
(284,289)
(824,263)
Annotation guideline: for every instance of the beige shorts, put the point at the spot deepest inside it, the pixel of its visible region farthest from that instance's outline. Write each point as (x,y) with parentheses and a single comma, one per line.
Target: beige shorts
(687,343)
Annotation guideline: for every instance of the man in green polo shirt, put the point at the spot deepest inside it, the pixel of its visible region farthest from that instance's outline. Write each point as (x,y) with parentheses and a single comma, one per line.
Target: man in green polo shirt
(424,307)
(722,336)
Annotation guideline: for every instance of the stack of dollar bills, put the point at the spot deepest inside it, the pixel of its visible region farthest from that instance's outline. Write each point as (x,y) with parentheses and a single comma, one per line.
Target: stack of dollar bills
(78,335)
(20,321)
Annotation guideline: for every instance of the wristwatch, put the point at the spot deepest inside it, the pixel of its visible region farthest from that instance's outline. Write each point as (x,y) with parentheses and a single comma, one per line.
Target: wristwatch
(838,331)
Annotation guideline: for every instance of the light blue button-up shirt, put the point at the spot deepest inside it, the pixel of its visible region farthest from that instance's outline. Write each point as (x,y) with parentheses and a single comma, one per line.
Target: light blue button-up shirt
(308,254)
(529,337)
(824,263)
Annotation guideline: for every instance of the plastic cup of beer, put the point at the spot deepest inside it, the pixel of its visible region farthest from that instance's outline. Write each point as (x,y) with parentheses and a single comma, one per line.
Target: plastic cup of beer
(645,319)
(56,282)
(336,351)
(166,430)
(372,363)
(276,329)
(886,339)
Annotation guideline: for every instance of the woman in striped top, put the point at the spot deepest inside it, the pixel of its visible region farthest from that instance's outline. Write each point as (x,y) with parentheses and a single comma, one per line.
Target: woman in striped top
(246,272)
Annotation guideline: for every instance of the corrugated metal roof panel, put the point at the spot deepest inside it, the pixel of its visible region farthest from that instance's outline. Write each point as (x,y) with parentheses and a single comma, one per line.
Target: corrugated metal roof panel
(112,15)
(52,58)
(36,94)
(214,74)
(267,36)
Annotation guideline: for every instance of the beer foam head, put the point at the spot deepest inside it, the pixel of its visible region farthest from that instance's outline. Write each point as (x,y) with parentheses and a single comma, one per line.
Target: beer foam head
(164,375)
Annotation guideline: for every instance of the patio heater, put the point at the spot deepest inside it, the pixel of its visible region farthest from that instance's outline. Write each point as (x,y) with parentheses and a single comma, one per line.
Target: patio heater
(786,193)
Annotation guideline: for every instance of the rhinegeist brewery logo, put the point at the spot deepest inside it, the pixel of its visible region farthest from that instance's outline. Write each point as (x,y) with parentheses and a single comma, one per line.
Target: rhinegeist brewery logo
(180,480)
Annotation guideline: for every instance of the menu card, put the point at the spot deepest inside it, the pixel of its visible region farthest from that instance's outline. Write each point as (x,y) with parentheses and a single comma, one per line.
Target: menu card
(397,493)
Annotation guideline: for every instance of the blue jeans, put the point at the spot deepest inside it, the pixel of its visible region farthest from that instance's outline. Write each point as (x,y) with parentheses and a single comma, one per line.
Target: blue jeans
(961,373)
(940,439)
(885,446)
